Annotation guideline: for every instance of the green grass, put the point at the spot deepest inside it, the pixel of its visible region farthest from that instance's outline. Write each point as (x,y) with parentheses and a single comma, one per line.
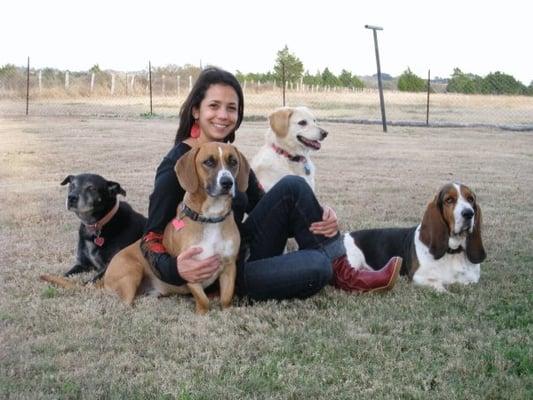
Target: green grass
(474,342)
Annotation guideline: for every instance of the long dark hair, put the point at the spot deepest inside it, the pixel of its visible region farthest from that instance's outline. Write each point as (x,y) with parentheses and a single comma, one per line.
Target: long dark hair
(209,76)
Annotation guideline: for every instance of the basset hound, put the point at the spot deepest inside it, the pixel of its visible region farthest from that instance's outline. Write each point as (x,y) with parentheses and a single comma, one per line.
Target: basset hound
(445,248)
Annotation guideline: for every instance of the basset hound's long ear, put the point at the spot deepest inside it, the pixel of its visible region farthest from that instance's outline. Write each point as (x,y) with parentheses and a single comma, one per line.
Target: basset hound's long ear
(243,174)
(475,252)
(186,171)
(279,121)
(434,231)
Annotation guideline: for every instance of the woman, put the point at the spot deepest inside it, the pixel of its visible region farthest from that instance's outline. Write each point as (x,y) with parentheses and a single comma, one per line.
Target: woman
(213,111)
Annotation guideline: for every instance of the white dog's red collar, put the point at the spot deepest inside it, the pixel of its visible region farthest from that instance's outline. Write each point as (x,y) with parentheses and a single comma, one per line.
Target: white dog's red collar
(295,158)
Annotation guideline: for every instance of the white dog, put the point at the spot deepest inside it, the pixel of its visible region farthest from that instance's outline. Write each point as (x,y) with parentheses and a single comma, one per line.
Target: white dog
(292,136)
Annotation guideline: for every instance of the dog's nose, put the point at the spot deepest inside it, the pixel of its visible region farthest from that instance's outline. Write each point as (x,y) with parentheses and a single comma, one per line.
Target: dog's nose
(467,213)
(226,182)
(323,134)
(72,199)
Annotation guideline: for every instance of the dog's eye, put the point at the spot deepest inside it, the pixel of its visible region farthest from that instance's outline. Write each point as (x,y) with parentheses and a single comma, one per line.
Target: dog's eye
(470,199)
(232,162)
(303,122)
(90,188)
(449,200)
(210,162)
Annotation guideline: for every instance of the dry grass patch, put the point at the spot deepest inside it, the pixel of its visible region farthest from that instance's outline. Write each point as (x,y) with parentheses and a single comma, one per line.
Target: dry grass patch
(475,342)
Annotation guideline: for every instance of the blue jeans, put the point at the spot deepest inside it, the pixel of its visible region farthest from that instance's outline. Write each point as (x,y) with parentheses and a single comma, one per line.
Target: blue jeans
(286,210)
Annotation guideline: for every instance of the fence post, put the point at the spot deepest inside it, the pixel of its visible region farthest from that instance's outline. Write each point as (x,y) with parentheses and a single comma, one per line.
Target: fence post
(150,83)
(163,84)
(283,81)
(427,106)
(92,82)
(66,80)
(179,86)
(28,86)
(132,83)
(190,83)
(40,81)
(112,84)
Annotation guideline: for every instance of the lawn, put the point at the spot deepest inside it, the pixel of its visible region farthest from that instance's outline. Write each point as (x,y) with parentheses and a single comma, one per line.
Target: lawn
(474,342)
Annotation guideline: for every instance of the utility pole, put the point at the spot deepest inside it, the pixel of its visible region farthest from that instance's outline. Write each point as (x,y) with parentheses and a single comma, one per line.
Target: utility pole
(380,84)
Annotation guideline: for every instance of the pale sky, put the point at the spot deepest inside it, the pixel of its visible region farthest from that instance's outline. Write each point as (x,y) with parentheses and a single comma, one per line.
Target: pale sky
(477,36)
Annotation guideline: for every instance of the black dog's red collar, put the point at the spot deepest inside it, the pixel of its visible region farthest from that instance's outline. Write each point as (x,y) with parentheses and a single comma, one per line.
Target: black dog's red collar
(97,227)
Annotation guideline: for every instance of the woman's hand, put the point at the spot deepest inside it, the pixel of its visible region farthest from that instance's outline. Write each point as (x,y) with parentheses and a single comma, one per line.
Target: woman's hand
(194,271)
(329,225)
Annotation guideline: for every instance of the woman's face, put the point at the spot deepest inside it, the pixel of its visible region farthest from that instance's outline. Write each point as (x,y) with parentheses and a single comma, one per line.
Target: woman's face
(218,113)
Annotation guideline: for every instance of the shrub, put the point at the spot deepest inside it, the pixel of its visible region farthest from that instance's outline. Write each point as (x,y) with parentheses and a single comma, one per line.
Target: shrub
(409,82)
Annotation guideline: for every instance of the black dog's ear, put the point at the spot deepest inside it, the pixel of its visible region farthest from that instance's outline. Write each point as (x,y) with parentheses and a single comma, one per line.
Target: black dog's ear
(68,179)
(115,188)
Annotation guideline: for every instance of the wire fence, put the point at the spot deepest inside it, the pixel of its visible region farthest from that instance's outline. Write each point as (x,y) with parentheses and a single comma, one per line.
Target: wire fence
(160,92)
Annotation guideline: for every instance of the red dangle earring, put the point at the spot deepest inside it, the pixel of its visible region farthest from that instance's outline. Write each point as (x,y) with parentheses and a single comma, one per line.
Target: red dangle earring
(195,130)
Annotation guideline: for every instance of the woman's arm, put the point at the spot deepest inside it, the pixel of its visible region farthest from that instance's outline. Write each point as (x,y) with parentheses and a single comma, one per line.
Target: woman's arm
(254,192)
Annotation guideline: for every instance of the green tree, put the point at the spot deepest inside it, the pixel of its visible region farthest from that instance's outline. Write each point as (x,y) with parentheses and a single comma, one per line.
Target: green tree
(95,69)
(410,82)
(309,79)
(287,66)
(464,83)
(529,89)
(328,79)
(500,83)
(8,70)
(351,81)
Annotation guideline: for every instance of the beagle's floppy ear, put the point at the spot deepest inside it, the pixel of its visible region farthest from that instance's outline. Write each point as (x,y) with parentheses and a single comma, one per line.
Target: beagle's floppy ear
(475,252)
(434,231)
(243,174)
(68,179)
(186,171)
(279,121)
(115,188)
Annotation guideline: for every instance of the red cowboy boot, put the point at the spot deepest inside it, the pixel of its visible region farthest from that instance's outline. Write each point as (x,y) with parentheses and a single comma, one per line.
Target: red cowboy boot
(360,280)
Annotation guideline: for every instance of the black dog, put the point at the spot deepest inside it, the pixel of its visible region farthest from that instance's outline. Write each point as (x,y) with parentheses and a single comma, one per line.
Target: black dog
(107,225)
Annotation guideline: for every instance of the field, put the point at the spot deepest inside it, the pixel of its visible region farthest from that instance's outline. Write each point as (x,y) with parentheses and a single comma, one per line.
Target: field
(449,109)
(411,343)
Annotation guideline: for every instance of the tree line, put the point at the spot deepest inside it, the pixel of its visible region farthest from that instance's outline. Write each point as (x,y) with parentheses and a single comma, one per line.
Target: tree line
(460,82)
(288,68)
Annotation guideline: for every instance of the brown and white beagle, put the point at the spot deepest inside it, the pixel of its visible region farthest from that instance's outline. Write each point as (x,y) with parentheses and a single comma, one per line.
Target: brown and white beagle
(445,248)
(210,175)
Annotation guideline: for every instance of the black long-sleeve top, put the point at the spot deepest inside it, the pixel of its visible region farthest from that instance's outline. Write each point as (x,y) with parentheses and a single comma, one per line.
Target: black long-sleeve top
(168,193)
